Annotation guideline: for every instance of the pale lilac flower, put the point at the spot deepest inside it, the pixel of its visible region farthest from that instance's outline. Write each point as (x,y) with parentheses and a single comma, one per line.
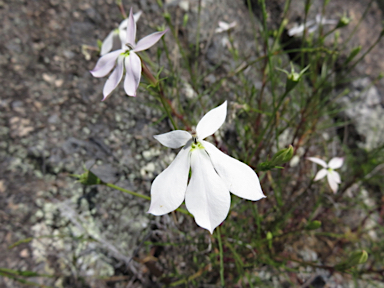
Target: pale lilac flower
(214,175)
(117,37)
(224,26)
(328,170)
(125,59)
(311,25)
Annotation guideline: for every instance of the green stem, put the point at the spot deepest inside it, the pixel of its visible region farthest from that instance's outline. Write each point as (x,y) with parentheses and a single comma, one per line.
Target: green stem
(181,210)
(222,282)
(127,191)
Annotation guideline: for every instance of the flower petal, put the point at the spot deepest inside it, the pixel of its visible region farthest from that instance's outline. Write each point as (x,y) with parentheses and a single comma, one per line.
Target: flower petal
(240,179)
(332,180)
(318,161)
(207,196)
(136,17)
(211,121)
(321,174)
(131,30)
(149,41)
(296,30)
(107,44)
(105,64)
(168,188)
(114,79)
(335,176)
(132,73)
(174,139)
(336,162)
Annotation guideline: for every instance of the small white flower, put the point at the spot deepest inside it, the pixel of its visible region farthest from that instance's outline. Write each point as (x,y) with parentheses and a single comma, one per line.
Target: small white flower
(328,170)
(214,175)
(224,26)
(311,25)
(125,60)
(116,38)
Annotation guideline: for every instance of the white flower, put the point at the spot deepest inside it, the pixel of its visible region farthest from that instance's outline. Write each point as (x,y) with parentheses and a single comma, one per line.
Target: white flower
(214,175)
(116,38)
(311,25)
(224,26)
(328,170)
(125,59)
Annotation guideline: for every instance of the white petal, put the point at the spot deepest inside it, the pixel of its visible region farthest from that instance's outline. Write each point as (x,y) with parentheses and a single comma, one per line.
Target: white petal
(332,181)
(169,187)
(149,41)
(131,30)
(336,162)
(132,73)
(321,174)
(174,139)
(211,121)
(240,179)
(318,161)
(114,79)
(105,64)
(107,44)
(296,30)
(124,23)
(137,15)
(335,176)
(207,196)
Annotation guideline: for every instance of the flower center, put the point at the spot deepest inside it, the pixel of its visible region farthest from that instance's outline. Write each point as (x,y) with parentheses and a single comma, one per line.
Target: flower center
(196,144)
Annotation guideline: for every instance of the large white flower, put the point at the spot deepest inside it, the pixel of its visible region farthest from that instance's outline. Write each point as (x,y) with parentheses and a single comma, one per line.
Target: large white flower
(328,170)
(214,175)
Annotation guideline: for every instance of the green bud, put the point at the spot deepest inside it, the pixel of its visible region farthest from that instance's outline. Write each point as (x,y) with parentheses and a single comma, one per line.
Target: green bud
(269,238)
(293,78)
(185,20)
(167,16)
(313,225)
(283,156)
(353,54)
(344,21)
(355,258)
(88,178)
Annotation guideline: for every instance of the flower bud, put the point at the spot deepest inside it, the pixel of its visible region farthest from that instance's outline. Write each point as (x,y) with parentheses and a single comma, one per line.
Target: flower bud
(293,78)
(313,225)
(88,178)
(355,258)
(283,156)
(344,21)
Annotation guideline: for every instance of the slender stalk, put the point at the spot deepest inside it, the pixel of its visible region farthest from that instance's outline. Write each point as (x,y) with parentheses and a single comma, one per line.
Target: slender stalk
(222,282)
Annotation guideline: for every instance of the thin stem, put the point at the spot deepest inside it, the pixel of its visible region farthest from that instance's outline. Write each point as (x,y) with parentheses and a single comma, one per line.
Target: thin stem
(222,282)
(127,191)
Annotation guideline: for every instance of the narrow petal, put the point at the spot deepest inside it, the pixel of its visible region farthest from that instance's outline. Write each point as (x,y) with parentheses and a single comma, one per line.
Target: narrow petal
(174,139)
(131,30)
(240,179)
(107,44)
(321,174)
(132,73)
(332,183)
(149,41)
(137,15)
(335,176)
(296,30)
(336,162)
(105,64)
(211,121)
(114,79)
(169,187)
(318,161)
(207,196)
(124,23)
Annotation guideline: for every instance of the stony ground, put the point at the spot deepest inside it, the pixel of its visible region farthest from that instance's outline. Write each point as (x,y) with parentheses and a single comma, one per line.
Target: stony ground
(52,123)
